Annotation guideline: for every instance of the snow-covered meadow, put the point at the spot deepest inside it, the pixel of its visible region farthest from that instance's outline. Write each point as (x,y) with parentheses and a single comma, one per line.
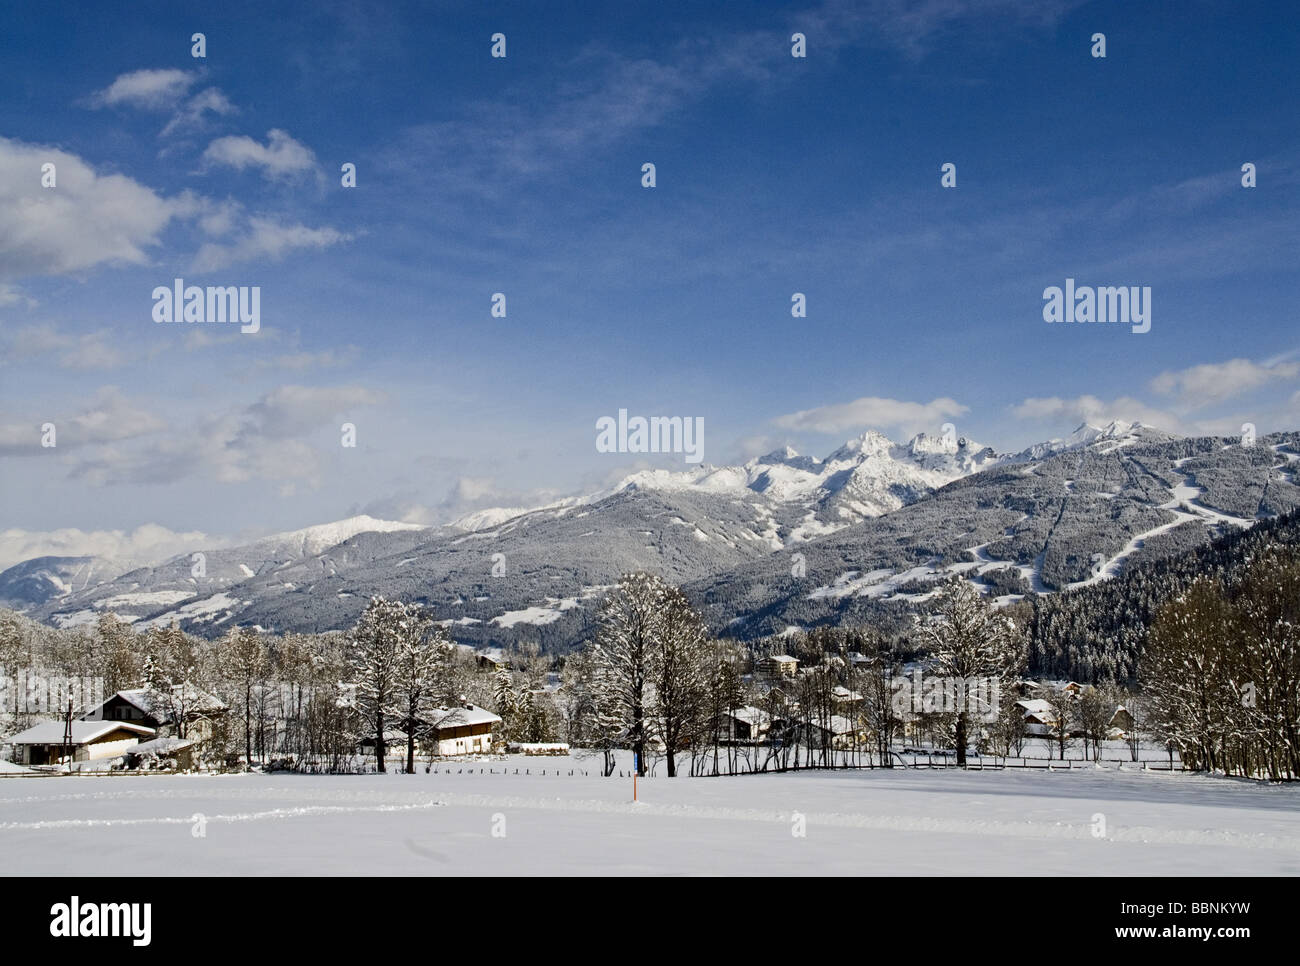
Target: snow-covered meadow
(913,821)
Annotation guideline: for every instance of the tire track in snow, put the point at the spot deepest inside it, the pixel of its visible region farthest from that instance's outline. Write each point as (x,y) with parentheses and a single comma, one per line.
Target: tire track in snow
(1028,829)
(306,811)
(896,823)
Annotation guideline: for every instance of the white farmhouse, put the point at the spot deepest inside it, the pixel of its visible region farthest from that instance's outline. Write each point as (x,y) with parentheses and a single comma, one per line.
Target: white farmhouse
(462,730)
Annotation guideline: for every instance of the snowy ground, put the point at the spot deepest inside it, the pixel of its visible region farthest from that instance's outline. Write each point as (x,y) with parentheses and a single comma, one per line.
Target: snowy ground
(868,822)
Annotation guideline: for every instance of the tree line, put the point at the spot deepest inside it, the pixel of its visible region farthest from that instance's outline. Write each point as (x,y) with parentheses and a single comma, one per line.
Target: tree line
(1217,679)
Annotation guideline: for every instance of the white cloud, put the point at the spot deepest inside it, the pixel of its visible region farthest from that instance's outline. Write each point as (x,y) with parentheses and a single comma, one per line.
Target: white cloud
(295,410)
(467,494)
(147,89)
(873,412)
(1215,382)
(280,157)
(165,90)
(108,418)
(12,295)
(92,220)
(149,543)
(265,238)
(1097,412)
(266,440)
(87,220)
(91,350)
(192,115)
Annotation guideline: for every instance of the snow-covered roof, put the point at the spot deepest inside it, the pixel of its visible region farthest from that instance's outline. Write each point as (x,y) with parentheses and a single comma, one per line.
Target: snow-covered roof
(83,732)
(783,659)
(161,746)
(750,715)
(460,716)
(836,724)
(1036,706)
(198,701)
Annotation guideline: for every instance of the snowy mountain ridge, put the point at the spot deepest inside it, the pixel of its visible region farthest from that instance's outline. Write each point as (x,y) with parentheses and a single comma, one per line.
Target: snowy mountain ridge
(870,527)
(865,477)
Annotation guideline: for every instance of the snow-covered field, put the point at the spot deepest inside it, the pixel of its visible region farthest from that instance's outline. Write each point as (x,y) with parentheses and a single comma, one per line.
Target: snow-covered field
(865,822)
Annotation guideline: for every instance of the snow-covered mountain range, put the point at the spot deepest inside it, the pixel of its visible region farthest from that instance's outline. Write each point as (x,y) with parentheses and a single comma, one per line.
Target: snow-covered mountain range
(872,524)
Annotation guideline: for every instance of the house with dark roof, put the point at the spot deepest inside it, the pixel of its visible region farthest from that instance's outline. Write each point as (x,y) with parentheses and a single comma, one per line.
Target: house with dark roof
(141,706)
(748,723)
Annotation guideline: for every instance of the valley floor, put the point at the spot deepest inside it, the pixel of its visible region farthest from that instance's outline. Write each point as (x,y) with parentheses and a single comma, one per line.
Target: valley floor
(900,822)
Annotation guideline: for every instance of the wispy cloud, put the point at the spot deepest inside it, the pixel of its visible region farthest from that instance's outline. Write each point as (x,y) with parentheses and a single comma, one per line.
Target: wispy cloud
(1095,411)
(280,158)
(91,350)
(608,96)
(873,412)
(147,89)
(264,237)
(110,417)
(912,27)
(13,295)
(165,90)
(268,440)
(1215,382)
(466,495)
(193,114)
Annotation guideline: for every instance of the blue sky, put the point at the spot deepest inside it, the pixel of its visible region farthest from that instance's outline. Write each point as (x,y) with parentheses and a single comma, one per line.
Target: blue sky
(522,175)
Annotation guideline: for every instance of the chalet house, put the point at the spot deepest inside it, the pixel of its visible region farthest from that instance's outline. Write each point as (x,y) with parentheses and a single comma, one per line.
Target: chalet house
(779,665)
(491,659)
(91,740)
(1040,716)
(139,706)
(744,724)
(843,698)
(462,730)
(1121,724)
(835,731)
